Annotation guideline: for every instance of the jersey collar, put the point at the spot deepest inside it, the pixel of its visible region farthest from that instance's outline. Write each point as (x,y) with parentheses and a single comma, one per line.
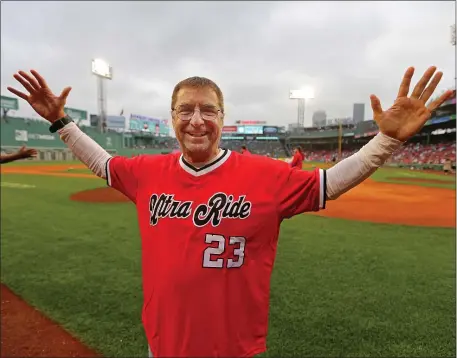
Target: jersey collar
(220,159)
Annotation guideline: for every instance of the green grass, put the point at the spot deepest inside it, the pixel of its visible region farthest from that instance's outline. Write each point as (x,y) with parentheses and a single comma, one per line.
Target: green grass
(80,171)
(387,175)
(339,288)
(28,162)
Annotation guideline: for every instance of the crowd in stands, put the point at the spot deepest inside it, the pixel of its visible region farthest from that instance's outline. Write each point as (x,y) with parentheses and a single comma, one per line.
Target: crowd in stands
(271,148)
(411,153)
(416,153)
(326,156)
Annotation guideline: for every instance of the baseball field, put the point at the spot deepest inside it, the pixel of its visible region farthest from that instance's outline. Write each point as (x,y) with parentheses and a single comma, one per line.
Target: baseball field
(371,276)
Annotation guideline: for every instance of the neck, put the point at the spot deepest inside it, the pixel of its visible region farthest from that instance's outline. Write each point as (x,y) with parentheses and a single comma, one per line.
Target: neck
(199,161)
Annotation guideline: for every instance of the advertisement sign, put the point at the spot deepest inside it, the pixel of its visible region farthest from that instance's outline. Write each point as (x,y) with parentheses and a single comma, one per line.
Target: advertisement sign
(251,122)
(76,114)
(21,135)
(443,131)
(229,129)
(9,103)
(250,129)
(24,136)
(149,124)
(115,122)
(268,130)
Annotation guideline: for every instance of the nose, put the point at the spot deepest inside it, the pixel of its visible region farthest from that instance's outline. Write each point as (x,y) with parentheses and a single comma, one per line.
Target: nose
(197,119)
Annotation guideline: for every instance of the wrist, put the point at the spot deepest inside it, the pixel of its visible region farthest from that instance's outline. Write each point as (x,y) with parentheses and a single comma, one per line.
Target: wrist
(55,118)
(60,123)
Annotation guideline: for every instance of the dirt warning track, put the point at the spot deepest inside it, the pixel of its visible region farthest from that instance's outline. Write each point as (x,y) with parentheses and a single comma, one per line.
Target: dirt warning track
(28,333)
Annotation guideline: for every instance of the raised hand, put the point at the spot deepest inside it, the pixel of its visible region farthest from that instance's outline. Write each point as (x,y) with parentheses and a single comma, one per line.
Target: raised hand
(27,153)
(408,115)
(40,97)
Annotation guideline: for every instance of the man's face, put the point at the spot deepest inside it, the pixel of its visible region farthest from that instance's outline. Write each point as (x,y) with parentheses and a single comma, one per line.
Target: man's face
(198,138)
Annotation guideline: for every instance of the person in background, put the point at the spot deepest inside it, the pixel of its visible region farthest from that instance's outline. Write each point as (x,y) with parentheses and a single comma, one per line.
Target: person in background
(244,150)
(447,166)
(22,153)
(298,158)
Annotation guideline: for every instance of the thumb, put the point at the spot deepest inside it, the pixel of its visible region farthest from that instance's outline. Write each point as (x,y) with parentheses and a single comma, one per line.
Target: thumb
(375,105)
(65,93)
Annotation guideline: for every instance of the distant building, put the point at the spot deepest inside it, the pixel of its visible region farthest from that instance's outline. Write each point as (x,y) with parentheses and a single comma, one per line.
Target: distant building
(358,114)
(336,121)
(293,127)
(319,118)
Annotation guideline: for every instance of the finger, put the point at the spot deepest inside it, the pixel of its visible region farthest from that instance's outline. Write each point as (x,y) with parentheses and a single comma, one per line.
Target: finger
(440,100)
(23,82)
(406,82)
(18,93)
(33,82)
(431,87)
(39,78)
(375,104)
(423,82)
(65,92)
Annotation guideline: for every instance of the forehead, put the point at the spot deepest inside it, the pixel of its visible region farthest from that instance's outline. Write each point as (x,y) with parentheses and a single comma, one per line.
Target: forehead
(193,96)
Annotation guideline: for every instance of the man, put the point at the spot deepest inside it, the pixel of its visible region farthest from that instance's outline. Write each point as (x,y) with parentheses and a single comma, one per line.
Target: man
(209,218)
(297,159)
(447,166)
(244,150)
(22,153)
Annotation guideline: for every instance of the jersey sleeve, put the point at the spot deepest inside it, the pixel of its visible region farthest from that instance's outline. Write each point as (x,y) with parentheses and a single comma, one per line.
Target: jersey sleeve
(300,191)
(122,174)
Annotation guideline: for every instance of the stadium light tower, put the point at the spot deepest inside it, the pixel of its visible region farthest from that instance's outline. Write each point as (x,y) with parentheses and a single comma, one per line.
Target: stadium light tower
(301,95)
(453,35)
(103,71)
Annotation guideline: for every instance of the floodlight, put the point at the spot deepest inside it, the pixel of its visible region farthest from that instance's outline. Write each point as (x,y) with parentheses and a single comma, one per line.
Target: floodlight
(102,68)
(304,93)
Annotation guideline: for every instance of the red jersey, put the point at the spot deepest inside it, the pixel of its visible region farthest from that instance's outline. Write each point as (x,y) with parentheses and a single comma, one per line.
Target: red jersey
(209,238)
(297,160)
(245,152)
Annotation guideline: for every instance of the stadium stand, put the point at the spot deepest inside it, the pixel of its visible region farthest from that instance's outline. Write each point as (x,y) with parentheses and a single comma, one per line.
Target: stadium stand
(428,149)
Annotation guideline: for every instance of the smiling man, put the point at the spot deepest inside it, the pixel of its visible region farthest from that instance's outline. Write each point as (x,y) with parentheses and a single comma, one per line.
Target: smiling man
(209,218)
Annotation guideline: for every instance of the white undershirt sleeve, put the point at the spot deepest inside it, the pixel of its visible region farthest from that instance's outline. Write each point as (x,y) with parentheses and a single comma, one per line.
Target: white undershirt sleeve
(355,169)
(85,149)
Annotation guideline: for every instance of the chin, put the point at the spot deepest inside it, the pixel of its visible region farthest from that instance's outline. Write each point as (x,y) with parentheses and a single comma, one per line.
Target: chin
(198,152)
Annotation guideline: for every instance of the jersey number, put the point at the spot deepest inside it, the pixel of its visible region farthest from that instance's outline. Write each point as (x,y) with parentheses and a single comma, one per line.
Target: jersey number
(210,254)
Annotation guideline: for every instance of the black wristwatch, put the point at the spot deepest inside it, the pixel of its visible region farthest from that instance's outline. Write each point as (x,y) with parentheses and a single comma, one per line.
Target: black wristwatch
(60,123)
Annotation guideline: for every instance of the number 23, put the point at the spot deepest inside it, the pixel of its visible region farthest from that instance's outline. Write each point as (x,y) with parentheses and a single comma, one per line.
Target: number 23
(219,250)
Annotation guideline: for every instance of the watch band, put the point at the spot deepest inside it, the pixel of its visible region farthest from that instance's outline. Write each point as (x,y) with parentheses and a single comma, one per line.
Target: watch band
(60,123)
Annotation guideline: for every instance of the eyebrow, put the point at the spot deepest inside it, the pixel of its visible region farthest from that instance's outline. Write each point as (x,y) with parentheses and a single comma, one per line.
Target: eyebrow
(206,105)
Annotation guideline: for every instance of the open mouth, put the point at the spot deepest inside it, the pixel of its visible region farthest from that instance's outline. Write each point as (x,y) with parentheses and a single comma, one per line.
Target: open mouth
(196,135)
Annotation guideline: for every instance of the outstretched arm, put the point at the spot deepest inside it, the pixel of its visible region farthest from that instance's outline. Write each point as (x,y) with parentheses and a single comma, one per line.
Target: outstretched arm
(23,153)
(51,107)
(85,149)
(396,125)
(353,170)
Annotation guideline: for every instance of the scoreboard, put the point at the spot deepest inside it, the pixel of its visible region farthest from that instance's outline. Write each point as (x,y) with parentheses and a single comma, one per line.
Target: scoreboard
(252,130)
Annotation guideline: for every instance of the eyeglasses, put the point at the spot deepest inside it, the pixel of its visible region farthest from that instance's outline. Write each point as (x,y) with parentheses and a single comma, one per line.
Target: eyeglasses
(207,114)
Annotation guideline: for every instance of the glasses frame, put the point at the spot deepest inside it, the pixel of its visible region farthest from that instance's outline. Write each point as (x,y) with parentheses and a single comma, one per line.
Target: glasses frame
(193,113)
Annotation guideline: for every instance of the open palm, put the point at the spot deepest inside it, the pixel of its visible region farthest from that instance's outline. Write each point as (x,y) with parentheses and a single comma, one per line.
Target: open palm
(40,97)
(408,115)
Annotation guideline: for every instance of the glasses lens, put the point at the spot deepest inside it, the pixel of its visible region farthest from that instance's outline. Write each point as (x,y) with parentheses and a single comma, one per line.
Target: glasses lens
(206,114)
